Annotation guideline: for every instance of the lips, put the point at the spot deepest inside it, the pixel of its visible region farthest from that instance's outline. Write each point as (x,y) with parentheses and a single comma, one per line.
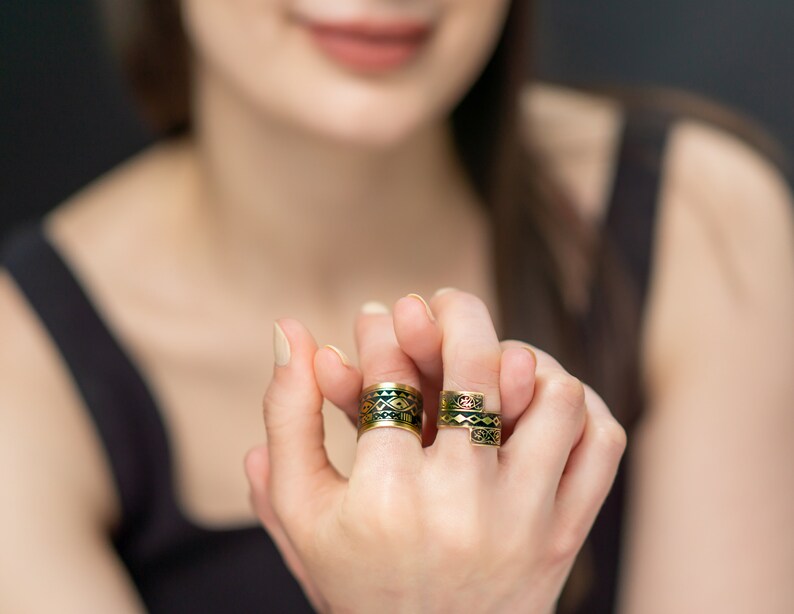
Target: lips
(369,46)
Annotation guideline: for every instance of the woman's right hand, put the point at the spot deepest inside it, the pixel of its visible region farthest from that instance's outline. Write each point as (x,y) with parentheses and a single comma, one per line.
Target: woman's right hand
(448,527)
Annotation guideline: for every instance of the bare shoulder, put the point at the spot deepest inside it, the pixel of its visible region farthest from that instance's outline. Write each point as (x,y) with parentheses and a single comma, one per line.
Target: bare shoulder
(58,504)
(42,424)
(60,497)
(715,171)
(58,501)
(717,351)
(43,421)
(574,135)
(724,260)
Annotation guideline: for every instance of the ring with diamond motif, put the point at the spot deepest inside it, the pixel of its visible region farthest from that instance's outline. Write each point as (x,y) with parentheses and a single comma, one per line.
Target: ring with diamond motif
(390,404)
(465,409)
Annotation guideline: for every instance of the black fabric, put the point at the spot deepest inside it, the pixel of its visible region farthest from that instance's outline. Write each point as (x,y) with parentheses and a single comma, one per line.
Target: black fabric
(176,565)
(180,567)
(631,214)
(628,231)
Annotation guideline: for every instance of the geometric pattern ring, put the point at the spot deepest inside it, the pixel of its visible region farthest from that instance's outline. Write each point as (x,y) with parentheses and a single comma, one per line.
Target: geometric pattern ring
(465,409)
(390,404)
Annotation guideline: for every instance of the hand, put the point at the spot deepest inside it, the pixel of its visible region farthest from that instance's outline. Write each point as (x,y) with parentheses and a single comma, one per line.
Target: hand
(447,527)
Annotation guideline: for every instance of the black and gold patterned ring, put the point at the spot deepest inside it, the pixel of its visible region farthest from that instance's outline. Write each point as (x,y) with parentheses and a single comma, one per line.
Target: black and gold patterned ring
(390,404)
(466,409)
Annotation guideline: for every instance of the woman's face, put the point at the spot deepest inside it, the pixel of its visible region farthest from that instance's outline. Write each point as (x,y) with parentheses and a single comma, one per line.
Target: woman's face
(363,71)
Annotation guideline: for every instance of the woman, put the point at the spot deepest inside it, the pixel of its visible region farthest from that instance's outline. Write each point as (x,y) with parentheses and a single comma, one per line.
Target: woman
(321,171)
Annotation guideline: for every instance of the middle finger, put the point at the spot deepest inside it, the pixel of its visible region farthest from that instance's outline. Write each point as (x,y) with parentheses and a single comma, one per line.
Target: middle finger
(471,355)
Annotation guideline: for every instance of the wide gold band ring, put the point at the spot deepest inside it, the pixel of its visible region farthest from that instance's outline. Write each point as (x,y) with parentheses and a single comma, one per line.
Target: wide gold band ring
(390,404)
(465,409)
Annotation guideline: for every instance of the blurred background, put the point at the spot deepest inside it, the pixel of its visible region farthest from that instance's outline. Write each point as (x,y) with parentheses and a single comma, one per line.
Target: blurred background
(65,116)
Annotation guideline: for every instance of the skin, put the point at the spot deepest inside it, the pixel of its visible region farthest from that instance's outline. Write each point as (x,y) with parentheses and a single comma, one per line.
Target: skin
(709,460)
(395,511)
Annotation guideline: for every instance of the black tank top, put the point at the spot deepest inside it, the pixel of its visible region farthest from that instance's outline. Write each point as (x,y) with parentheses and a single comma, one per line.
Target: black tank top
(178,566)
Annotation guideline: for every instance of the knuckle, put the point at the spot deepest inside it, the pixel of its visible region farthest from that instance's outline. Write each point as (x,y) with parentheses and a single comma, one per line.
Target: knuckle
(475,371)
(568,391)
(272,403)
(467,300)
(611,437)
(270,413)
(267,401)
(394,373)
(565,545)
(593,396)
(276,423)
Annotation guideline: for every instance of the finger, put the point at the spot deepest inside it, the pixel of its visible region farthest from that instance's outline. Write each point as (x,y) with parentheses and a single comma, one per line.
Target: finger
(591,468)
(516,383)
(382,360)
(293,419)
(257,469)
(339,381)
(471,357)
(545,433)
(419,337)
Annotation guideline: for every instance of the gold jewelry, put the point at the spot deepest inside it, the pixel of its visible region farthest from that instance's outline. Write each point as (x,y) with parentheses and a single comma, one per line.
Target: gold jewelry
(390,404)
(465,409)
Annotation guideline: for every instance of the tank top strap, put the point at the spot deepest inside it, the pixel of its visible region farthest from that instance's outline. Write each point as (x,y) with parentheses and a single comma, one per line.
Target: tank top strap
(631,211)
(627,232)
(118,399)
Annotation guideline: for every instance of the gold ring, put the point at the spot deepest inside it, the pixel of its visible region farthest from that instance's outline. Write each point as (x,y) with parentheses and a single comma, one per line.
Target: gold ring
(465,409)
(390,404)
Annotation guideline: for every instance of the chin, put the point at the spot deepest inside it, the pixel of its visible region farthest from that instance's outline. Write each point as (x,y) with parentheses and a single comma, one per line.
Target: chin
(379,122)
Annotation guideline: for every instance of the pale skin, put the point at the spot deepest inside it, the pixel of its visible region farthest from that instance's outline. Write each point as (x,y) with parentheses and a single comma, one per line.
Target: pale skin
(711,501)
(459,514)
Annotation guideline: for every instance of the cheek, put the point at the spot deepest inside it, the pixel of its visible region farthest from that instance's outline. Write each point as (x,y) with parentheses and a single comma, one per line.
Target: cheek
(229,35)
(463,45)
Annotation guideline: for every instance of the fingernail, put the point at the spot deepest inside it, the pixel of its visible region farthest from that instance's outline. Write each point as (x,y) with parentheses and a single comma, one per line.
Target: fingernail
(374,308)
(441,291)
(340,353)
(424,302)
(531,351)
(281,351)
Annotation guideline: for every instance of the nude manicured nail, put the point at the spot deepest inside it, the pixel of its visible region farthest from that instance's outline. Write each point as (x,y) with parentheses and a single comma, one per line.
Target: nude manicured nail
(281,351)
(441,291)
(531,351)
(374,308)
(342,356)
(424,302)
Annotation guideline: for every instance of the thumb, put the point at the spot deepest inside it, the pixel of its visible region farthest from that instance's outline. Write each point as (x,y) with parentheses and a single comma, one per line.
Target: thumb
(299,464)
(257,468)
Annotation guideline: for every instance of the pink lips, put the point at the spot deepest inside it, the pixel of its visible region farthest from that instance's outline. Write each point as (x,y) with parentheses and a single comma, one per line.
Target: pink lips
(369,46)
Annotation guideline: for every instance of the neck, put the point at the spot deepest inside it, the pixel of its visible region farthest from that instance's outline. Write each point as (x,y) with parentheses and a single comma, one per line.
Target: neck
(269,192)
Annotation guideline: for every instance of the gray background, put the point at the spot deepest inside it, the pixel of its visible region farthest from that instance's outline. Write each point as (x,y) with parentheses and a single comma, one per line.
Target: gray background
(65,116)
